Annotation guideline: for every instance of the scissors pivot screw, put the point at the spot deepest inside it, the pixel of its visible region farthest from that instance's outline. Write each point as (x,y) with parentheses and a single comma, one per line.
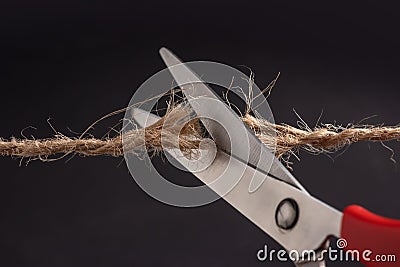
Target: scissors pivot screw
(287,214)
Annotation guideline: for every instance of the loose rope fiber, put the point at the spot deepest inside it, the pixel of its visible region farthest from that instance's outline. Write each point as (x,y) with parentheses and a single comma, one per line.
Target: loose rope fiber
(286,140)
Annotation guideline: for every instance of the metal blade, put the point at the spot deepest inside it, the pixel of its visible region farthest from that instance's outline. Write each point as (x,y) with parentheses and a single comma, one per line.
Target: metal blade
(316,220)
(143,118)
(249,150)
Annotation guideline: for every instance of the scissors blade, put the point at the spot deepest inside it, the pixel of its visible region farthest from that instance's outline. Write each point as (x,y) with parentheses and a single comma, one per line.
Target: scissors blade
(316,220)
(259,156)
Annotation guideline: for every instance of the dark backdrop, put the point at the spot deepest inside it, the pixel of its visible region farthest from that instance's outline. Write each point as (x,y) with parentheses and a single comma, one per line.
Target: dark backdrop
(74,62)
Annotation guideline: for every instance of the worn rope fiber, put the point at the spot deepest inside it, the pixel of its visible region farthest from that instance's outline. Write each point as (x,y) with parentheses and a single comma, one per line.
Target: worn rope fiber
(284,138)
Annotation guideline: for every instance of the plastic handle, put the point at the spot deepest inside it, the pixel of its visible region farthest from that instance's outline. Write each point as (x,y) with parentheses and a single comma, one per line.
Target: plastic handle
(376,238)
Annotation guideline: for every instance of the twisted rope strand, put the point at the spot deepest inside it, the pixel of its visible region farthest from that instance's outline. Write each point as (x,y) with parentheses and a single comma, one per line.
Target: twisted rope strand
(284,139)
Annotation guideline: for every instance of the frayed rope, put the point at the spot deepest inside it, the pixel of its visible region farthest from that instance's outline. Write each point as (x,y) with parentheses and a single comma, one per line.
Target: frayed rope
(284,139)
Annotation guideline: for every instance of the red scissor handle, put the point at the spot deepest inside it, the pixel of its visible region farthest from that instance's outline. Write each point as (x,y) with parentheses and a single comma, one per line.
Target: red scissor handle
(376,238)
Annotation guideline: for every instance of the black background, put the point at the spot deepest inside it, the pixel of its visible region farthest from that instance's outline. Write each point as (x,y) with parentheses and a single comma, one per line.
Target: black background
(74,62)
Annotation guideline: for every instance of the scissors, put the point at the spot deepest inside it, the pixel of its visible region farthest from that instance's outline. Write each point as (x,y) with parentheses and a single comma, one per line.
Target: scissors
(272,198)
